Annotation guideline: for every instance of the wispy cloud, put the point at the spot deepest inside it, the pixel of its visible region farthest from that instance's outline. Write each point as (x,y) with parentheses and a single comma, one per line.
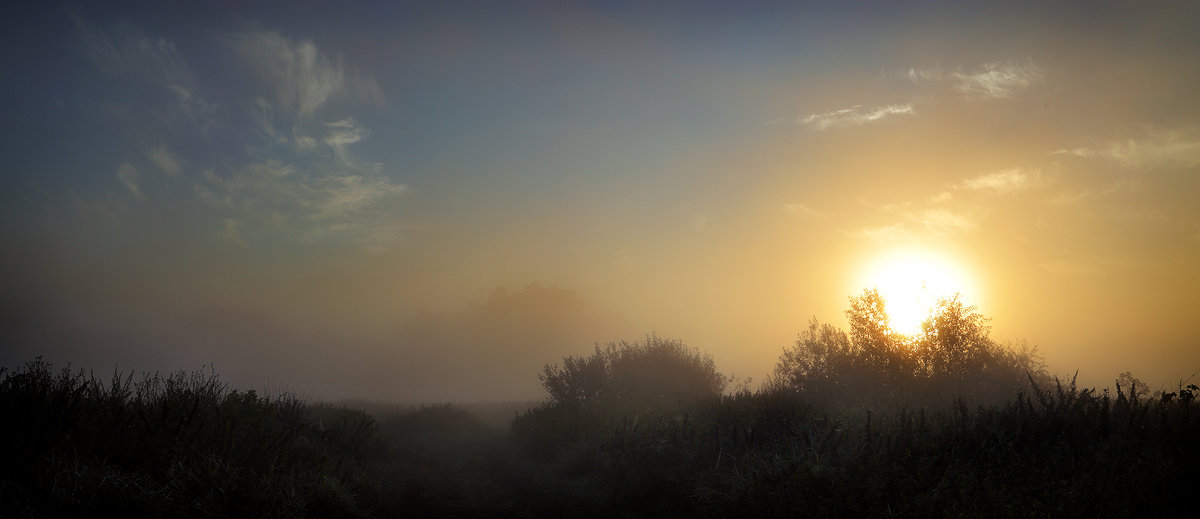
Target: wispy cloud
(884,234)
(935,222)
(303,77)
(339,196)
(918,75)
(232,231)
(128,175)
(123,51)
(151,68)
(340,135)
(998,79)
(855,115)
(944,196)
(1003,182)
(804,211)
(944,223)
(165,161)
(1156,148)
(312,204)
(1123,185)
(290,172)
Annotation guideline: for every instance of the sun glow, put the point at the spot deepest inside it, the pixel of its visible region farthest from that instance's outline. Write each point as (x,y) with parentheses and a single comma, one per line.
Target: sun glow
(912,283)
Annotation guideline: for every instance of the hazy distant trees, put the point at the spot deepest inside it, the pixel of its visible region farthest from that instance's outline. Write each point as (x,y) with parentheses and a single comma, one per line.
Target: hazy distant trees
(653,371)
(952,355)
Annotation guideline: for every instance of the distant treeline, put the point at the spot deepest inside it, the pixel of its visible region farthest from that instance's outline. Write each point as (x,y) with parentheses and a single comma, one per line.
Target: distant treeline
(859,423)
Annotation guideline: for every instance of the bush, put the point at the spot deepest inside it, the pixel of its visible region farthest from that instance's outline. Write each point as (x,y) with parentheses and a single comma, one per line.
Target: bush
(654,372)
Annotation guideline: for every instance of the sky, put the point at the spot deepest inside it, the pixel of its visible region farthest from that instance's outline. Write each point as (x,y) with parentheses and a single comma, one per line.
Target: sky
(428,201)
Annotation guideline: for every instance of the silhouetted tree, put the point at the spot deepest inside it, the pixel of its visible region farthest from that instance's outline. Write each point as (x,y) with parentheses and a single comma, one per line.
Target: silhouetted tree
(953,355)
(954,342)
(821,357)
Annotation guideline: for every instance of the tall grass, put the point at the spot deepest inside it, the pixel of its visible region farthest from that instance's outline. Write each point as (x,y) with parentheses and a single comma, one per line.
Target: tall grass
(165,445)
(185,444)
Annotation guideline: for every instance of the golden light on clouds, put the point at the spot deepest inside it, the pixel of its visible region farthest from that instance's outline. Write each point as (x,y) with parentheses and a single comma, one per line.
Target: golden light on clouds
(913,281)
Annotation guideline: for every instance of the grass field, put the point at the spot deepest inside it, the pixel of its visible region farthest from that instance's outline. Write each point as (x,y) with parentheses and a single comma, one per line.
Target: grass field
(188,445)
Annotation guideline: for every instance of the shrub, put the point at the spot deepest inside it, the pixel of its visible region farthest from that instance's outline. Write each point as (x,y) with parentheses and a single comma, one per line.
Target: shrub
(653,372)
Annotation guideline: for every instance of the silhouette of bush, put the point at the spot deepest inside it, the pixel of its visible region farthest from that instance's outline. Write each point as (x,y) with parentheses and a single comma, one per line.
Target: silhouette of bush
(653,372)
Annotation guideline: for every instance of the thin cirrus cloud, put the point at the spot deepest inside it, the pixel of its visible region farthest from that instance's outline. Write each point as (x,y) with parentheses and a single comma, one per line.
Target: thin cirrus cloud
(997,79)
(146,67)
(294,173)
(991,80)
(303,78)
(803,210)
(893,232)
(1003,182)
(128,175)
(855,116)
(165,161)
(1158,147)
(126,52)
(929,222)
(941,222)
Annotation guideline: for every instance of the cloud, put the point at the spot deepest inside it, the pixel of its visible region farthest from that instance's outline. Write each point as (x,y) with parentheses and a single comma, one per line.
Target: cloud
(855,116)
(303,78)
(997,79)
(128,175)
(343,132)
(805,211)
(1123,185)
(123,51)
(280,165)
(944,196)
(345,194)
(148,71)
(917,75)
(312,205)
(232,231)
(944,223)
(1157,148)
(886,233)
(937,222)
(1002,182)
(165,161)
(340,134)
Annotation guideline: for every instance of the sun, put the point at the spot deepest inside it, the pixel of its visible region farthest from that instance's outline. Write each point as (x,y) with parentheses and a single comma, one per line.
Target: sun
(912,283)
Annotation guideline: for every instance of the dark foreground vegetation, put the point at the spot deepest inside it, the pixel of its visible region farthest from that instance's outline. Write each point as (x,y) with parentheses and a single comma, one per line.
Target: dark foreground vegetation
(860,424)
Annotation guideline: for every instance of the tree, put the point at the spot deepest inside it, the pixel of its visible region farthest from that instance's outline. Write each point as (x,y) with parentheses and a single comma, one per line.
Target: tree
(877,347)
(653,371)
(954,355)
(955,342)
(821,356)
